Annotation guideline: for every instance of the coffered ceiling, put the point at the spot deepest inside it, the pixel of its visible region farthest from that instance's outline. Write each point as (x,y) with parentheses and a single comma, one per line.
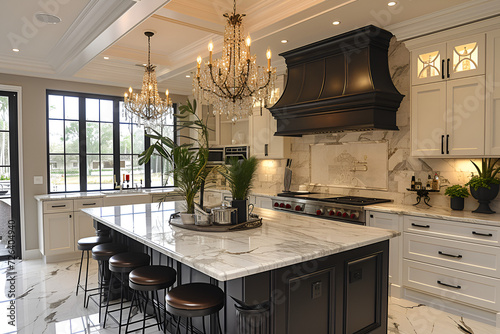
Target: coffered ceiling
(92,30)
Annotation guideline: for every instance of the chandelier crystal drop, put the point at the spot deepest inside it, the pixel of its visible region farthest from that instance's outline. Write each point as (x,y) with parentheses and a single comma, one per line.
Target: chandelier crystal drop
(234,84)
(147,108)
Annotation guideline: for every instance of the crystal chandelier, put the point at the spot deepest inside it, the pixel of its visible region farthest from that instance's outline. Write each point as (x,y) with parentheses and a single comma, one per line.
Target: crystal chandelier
(147,108)
(234,83)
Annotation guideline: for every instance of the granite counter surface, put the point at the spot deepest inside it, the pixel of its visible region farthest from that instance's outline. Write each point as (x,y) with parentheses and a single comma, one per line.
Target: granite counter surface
(284,239)
(438,212)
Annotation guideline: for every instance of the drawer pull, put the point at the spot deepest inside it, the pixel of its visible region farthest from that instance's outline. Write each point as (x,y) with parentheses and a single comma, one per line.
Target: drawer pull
(89,203)
(482,234)
(417,225)
(450,255)
(59,206)
(449,285)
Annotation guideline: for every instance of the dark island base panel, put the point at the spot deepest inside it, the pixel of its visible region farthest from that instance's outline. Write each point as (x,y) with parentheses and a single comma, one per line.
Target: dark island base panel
(342,293)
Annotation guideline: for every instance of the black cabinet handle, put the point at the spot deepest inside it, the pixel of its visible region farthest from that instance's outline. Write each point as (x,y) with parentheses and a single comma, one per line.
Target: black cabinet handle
(447,144)
(442,144)
(59,206)
(450,255)
(449,285)
(371,216)
(417,225)
(442,69)
(448,68)
(69,216)
(482,234)
(89,203)
(266,149)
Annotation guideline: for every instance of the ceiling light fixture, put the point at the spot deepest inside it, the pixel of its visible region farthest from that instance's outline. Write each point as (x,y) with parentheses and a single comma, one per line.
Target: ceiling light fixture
(234,83)
(106,57)
(15,50)
(392,3)
(147,108)
(336,23)
(47,18)
(188,76)
(284,41)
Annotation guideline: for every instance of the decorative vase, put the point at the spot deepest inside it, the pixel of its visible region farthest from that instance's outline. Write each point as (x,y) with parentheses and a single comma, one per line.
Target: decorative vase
(242,206)
(484,196)
(188,218)
(457,203)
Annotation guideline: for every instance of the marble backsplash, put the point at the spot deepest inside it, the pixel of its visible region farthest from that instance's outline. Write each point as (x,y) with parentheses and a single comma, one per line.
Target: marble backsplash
(401,166)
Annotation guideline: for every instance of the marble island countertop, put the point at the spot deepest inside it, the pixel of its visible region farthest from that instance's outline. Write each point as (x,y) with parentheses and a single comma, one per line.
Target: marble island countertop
(438,212)
(284,239)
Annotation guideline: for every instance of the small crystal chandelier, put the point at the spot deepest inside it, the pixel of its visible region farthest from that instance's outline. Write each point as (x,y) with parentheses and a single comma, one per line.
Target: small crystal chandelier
(234,83)
(147,108)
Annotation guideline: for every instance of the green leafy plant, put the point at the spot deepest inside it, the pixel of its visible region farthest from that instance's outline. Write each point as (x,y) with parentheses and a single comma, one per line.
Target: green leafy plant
(486,174)
(187,163)
(457,191)
(240,174)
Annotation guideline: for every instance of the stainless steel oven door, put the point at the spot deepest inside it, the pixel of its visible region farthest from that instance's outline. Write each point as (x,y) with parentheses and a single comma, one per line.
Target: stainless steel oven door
(240,152)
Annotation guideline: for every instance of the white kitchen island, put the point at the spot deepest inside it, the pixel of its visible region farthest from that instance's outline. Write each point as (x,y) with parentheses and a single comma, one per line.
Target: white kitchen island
(282,262)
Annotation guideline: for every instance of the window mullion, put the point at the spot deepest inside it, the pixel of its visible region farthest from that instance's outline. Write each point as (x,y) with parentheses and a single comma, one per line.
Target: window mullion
(116,140)
(82,133)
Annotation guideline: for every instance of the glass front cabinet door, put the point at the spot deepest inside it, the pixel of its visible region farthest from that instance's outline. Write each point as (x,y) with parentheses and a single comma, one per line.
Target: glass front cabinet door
(455,59)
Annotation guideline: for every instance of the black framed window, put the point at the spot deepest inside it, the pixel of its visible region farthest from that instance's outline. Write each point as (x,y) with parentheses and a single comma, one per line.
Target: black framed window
(91,144)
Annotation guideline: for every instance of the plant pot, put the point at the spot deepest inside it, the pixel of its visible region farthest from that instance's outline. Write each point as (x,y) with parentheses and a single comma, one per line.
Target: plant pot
(188,218)
(457,203)
(484,196)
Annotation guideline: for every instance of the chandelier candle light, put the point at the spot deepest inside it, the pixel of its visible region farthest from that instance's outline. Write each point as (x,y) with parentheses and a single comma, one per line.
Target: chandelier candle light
(147,108)
(234,83)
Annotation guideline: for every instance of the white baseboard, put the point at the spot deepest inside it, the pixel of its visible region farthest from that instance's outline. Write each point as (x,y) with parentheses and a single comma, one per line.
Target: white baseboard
(31,254)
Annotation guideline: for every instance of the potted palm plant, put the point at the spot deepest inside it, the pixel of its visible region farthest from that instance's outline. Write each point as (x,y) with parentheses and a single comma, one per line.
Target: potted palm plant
(240,175)
(485,186)
(457,195)
(187,162)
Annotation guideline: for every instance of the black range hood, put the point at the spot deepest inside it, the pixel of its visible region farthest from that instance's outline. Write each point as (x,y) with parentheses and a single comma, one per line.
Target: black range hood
(338,84)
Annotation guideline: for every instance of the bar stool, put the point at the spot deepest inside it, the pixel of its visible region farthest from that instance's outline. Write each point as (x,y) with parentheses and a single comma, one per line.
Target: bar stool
(122,263)
(86,245)
(102,253)
(149,279)
(195,300)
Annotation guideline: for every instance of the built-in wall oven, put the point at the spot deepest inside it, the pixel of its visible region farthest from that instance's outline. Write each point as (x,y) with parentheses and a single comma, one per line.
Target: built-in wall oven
(216,156)
(241,152)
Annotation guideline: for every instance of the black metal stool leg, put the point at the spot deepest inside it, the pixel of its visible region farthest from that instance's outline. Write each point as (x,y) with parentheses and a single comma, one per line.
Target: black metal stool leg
(109,298)
(144,313)
(178,325)
(203,321)
(218,321)
(130,310)
(86,280)
(79,274)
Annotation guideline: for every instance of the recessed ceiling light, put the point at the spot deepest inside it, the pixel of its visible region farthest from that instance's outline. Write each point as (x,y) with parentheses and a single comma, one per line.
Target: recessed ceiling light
(284,41)
(15,50)
(336,23)
(106,57)
(188,76)
(392,3)
(47,18)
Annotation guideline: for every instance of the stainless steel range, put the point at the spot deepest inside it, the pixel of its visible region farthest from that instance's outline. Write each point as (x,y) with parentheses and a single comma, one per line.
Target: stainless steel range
(346,208)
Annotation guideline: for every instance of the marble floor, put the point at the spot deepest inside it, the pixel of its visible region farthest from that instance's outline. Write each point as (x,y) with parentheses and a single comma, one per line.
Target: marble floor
(45,302)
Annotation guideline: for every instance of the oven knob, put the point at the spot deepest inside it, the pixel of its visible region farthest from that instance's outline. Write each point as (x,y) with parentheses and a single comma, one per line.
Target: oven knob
(339,212)
(345,214)
(276,204)
(319,212)
(298,208)
(288,206)
(355,215)
(332,212)
(282,205)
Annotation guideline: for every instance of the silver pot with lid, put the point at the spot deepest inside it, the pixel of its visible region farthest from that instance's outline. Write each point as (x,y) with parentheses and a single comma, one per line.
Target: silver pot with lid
(225,215)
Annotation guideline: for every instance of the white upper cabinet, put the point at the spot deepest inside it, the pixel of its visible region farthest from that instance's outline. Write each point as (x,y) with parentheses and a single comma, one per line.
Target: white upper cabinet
(459,58)
(493,93)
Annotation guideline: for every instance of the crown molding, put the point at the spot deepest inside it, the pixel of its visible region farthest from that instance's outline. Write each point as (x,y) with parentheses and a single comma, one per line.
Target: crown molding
(468,12)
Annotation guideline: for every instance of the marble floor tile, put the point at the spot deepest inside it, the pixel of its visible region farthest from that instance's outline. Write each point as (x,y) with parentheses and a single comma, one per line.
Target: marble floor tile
(45,303)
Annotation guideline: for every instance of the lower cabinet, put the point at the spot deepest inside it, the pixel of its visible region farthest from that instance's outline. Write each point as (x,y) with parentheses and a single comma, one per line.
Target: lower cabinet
(58,233)
(84,224)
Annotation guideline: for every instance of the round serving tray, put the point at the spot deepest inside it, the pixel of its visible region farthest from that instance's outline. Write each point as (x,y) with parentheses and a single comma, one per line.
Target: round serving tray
(252,223)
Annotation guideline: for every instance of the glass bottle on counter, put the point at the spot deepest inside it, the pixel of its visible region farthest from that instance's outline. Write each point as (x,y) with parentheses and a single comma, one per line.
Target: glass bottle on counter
(412,185)
(418,185)
(428,185)
(435,182)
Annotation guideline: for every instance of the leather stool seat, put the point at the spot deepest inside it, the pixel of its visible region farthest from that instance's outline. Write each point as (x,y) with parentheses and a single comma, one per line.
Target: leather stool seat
(195,299)
(90,242)
(104,252)
(152,278)
(129,260)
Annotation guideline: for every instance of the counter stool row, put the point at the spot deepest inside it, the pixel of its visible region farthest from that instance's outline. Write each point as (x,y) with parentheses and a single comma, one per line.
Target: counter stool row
(189,300)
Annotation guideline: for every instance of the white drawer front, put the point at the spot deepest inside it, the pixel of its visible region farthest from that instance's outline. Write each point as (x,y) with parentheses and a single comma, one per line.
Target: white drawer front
(474,258)
(463,287)
(58,206)
(87,203)
(476,233)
